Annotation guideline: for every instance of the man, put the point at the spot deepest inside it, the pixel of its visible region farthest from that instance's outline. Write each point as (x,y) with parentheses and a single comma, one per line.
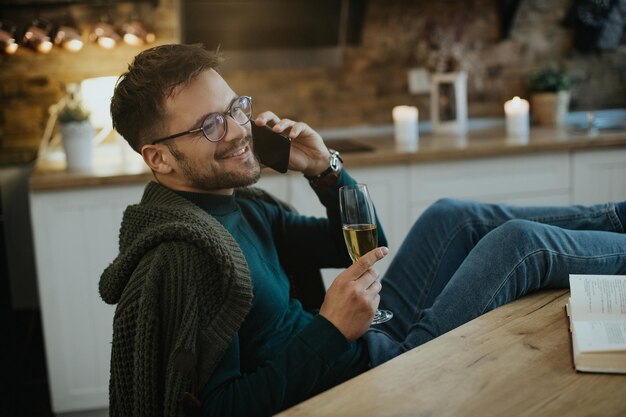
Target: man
(204,320)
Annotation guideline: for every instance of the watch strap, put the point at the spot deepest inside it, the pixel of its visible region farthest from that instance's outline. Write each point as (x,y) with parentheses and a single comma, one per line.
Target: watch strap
(329,176)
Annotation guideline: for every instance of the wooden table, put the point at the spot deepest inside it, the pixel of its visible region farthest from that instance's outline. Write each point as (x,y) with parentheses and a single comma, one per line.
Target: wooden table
(513,361)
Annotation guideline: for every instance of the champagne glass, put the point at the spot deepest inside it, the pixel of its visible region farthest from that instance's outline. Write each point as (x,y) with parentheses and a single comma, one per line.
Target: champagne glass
(359,228)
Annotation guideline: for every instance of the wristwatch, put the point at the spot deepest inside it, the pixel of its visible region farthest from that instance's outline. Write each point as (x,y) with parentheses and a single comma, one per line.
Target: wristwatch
(330,175)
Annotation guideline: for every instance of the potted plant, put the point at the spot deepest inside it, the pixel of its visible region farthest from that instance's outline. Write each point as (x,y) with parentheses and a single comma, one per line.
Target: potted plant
(76,132)
(549,96)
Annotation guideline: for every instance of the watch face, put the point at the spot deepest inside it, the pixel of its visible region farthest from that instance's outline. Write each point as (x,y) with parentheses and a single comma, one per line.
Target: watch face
(330,175)
(334,160)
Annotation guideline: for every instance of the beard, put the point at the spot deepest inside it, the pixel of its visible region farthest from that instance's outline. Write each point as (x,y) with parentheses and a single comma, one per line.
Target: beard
(247,174)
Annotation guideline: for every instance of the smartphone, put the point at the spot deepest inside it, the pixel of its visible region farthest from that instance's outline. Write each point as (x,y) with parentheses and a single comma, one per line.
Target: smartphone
(271,148)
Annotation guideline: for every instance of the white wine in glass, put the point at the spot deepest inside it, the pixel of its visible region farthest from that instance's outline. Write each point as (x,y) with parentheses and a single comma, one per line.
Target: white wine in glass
(359,228)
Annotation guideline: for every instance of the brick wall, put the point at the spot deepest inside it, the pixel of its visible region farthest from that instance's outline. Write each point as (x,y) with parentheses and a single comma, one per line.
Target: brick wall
(397,35)
(31,82)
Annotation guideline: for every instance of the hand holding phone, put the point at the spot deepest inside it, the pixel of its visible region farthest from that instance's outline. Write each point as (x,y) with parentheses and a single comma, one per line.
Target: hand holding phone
(271,148)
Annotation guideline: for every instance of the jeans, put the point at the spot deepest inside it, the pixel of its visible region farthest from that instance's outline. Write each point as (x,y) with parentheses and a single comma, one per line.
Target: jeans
(462,259)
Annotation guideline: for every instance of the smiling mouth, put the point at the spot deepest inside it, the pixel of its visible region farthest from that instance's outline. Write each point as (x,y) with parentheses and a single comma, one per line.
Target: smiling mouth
(238,151)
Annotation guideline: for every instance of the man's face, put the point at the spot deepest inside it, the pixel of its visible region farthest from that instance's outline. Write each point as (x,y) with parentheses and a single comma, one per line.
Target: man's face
(203,166)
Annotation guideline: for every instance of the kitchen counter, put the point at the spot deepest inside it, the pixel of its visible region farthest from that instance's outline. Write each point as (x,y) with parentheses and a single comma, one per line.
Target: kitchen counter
(356,151)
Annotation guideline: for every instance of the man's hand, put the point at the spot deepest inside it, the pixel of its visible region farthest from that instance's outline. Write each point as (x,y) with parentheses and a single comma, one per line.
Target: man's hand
(353,298)
(309,155)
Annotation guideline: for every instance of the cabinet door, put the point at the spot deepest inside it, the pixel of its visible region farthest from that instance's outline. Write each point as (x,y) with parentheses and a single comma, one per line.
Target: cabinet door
(527,180)
(76,237)
(599,176)
(388,188)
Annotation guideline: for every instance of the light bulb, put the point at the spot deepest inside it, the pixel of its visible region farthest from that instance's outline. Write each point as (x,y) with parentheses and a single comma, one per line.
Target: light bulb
(69,38)
(136,33)
(7,41)
(37,38)
(105,36)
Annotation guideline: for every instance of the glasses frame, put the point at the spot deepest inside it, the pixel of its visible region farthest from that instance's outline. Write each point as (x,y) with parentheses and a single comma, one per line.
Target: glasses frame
(226,114)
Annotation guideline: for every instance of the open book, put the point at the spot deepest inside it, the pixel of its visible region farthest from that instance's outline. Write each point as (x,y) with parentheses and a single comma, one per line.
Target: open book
(597,316)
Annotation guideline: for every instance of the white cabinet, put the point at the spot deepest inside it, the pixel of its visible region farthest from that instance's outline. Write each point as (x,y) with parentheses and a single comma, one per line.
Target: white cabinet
(76,236)
(388,186)
(402,192)
(599,176)
(528,180)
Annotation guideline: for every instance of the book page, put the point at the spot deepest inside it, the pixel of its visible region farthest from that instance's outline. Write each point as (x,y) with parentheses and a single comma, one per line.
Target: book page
(596,336)
(598,297)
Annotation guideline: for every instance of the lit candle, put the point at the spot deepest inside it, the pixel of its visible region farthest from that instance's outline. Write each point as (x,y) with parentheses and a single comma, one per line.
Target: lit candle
(405,127)
(517,121)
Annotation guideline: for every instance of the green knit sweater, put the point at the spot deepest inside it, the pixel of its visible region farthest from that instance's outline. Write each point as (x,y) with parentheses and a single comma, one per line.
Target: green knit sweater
(183,291)
(169,334)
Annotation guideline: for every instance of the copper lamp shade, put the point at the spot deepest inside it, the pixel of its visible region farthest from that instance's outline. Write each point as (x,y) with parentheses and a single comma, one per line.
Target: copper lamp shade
(37,37)
(105,35)
(8,45)
(137,34)
(68,38)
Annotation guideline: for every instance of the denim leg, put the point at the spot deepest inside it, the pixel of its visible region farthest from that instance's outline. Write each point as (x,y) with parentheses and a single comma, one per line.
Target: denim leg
(436,247)
(513,260)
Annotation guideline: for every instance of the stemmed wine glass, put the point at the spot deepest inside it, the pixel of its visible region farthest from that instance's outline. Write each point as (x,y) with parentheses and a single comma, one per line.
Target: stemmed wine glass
(359,228)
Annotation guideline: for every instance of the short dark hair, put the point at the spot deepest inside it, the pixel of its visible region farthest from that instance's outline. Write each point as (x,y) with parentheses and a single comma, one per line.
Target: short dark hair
(137,106)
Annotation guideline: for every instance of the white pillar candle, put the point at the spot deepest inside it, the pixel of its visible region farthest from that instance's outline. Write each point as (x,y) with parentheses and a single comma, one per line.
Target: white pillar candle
(517,120)
(405,127)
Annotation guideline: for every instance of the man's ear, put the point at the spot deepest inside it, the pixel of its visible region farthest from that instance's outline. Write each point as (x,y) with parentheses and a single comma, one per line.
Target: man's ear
(157,158)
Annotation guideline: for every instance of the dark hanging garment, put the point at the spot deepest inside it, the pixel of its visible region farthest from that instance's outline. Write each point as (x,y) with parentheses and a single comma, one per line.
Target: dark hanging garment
(613,29)
(598,24)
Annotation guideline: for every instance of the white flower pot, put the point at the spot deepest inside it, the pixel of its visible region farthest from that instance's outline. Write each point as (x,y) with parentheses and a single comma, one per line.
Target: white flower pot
(78,145)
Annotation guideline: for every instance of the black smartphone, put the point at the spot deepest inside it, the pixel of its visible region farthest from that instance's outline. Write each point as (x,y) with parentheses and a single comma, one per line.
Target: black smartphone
(271,148)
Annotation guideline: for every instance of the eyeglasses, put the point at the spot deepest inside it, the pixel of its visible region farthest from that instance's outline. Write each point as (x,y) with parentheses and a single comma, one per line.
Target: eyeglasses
(215,126)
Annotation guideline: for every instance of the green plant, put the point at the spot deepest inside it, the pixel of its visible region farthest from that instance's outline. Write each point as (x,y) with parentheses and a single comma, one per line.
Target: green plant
(72,110)
(548,80)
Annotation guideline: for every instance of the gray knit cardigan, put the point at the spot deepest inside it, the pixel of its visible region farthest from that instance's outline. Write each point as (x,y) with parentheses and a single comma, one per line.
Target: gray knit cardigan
(182,289)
